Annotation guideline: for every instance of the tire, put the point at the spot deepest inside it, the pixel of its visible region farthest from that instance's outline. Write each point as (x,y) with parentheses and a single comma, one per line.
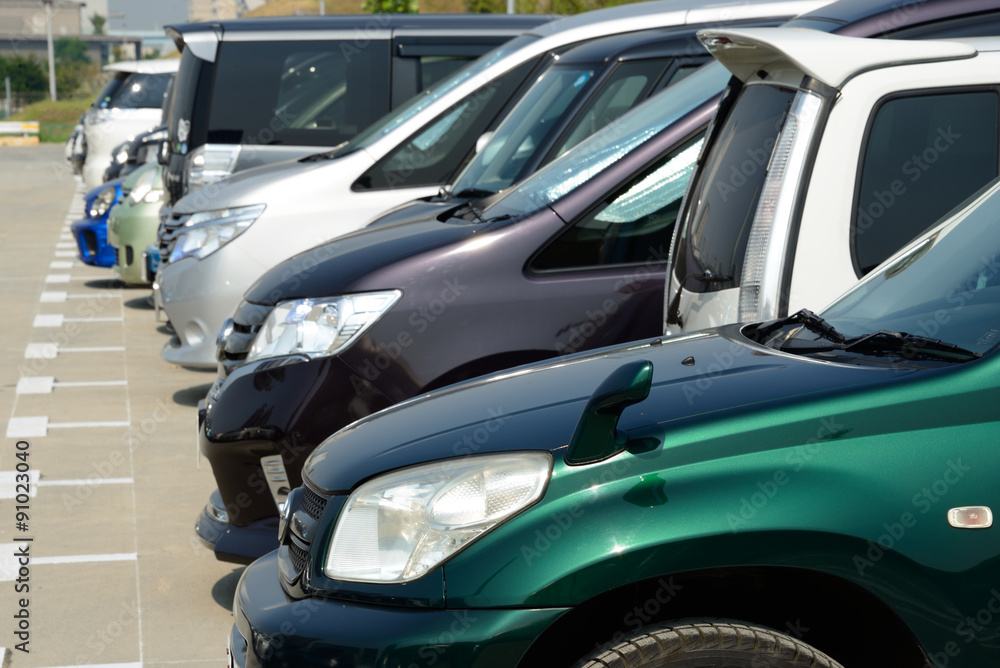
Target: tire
(707,643)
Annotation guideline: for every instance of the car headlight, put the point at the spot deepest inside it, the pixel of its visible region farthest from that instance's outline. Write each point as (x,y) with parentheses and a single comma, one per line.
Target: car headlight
(104,201)
(319,327)
(208,231)
(399,526)
(148,188)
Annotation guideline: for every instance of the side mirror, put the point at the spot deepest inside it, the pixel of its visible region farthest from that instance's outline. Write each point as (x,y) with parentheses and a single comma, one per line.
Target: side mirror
(483,140)
(596,434)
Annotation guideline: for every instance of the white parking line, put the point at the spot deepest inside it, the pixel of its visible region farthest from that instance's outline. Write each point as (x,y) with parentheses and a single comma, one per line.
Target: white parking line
(66,244)
(57,278)
(57,320)
(8,484)
(27,427)
(37,426)
(9,560)
(84,481)
(45,384)
(65,253)
(52,297)
(106,665)
(60,264)
(49,351)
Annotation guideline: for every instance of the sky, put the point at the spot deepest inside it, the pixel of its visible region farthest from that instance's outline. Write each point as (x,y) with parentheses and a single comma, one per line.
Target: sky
(143,14)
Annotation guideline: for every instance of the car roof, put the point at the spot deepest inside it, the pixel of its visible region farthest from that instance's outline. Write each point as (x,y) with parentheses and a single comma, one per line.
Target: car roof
(144,66)
(876,17)
(688,12)
(272,27)
(831,59)
(671,41)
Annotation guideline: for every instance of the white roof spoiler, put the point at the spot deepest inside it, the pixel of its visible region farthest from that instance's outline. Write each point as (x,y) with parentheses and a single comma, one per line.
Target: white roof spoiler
(831,59)
(145,66)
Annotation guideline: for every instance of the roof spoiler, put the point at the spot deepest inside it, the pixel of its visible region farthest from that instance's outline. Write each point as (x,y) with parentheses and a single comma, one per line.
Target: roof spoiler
(831,59)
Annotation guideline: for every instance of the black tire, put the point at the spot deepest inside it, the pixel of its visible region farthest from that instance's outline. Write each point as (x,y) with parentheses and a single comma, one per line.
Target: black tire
(707,643)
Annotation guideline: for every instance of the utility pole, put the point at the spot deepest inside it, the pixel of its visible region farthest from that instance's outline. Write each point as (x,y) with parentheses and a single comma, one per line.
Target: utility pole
(52,57)
(322,7)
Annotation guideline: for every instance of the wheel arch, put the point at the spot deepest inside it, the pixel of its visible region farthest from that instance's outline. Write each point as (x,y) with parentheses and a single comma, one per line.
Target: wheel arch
(834,614)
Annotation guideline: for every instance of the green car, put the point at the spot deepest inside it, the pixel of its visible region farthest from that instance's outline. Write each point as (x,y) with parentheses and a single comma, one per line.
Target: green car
(133,222)
(811,491)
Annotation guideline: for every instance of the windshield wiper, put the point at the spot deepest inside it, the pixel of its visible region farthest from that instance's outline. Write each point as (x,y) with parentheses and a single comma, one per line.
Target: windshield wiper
(475,193)
(807,319)
(325,155)
(911,346)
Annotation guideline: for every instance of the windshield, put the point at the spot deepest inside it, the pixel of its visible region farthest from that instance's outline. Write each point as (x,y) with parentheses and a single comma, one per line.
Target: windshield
(524,131)
(612,143)
(944,286)
(393,120)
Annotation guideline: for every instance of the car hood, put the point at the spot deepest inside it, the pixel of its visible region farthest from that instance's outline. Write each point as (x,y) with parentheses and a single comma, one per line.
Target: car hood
(333,267)
(537,407)
(419,209)
(291,180)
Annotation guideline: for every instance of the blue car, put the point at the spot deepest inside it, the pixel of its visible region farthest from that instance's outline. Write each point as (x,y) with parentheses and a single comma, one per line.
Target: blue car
(91,232)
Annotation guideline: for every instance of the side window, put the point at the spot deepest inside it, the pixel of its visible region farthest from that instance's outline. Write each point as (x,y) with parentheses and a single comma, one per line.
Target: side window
(305,93)
(923,155)
(628,85)
(141,91)
(440,148)
(436,68)
(632,226)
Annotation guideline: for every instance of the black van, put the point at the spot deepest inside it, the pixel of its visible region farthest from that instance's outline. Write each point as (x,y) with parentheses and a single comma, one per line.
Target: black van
(253,92)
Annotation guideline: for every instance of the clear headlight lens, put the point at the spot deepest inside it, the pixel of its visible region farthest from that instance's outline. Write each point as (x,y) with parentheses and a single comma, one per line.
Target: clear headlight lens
(148,188)
(208,231)
(399,526)
(319,327)
(105,200)
(210,163)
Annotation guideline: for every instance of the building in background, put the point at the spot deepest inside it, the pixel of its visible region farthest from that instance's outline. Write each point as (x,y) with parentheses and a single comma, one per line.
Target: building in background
(215,10)
(22,30)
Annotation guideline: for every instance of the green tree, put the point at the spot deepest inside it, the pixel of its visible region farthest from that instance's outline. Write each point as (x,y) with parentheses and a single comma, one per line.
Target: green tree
(98,22)
(391,6)
(26,73)
(152,55)
(71,50)
(486,6)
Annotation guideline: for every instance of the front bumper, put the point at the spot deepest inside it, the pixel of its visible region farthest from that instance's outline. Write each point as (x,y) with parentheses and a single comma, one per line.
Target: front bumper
(238,545)
(134,228)
(272,629)
(91,236)
(198,296)
(281,411)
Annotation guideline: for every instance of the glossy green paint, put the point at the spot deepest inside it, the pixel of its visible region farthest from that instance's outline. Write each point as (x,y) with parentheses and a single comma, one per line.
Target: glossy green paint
(134,225)
(815,483)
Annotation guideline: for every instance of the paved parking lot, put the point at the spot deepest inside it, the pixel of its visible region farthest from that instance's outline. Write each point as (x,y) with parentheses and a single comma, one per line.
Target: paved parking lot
(114,576)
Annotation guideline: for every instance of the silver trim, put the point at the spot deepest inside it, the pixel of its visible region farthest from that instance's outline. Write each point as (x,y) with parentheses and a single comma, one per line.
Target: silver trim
(308,35)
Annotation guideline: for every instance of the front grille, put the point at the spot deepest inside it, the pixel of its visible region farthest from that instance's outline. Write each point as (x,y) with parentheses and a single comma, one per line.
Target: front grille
(90,242)
(313,504)
(246,323)
(166,236)
(298,556)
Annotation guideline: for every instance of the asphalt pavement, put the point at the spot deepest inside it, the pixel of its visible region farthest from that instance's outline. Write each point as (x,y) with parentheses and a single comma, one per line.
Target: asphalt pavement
(102,566)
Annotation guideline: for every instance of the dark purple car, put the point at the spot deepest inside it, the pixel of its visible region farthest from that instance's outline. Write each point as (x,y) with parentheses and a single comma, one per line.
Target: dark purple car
(572,259)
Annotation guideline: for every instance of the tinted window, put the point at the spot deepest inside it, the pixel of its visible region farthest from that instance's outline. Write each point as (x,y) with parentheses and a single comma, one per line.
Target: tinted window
(141,91)
(632,226)
(437,68)
(306,93)
(923,155)
(525,129)
(724,198)
(439,149)
(104,97)
(624,88)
